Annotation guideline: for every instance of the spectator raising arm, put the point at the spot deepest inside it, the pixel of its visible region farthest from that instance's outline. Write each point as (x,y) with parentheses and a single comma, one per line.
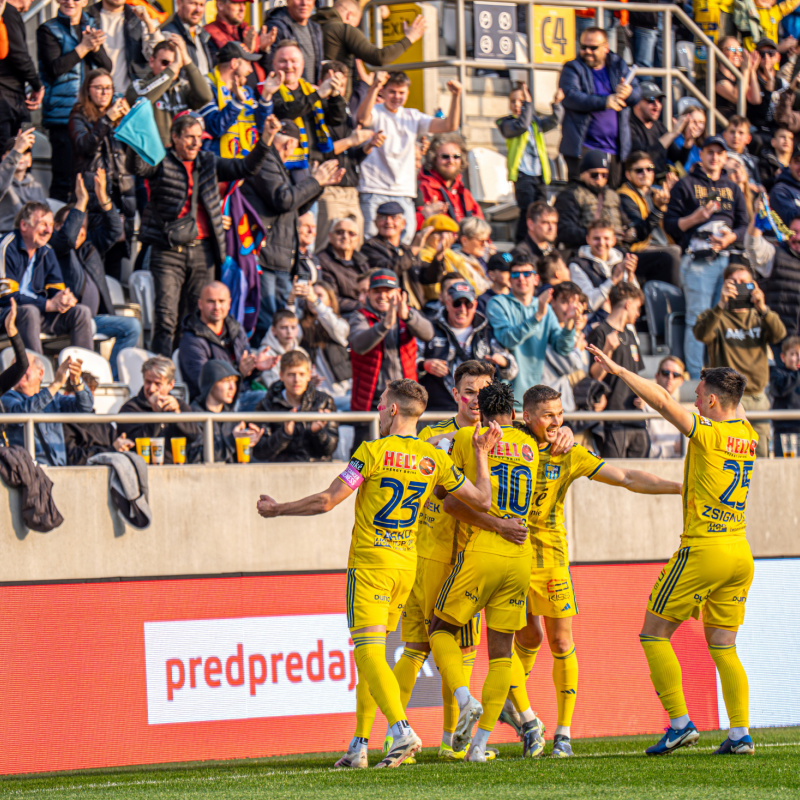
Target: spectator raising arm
(453,119)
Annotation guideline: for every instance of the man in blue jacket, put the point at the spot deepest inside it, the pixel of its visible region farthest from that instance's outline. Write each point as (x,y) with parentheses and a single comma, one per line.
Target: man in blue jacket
(28,397)
(33,275)
(706,216)
(526,325)
(597,101)
(785,195)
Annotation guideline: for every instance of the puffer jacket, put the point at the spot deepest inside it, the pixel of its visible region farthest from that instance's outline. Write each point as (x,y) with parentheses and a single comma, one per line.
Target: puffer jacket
(445,346)
(169,190)
(303,444)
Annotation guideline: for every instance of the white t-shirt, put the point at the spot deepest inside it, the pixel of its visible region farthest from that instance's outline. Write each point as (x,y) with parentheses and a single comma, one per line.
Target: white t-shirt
(390,169)
(462,334)
(113,26)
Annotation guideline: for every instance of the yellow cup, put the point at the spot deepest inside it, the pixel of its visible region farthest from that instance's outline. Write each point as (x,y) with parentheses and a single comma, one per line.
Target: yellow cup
(178,450)
(243,449)
(143,449)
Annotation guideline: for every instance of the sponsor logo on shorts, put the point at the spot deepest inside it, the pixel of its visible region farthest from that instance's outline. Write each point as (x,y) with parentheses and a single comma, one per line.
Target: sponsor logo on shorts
(527,452)
(552,471)
(427,466)
(516,602)
(472,595)
(382,598)
(742,599)
(700,599)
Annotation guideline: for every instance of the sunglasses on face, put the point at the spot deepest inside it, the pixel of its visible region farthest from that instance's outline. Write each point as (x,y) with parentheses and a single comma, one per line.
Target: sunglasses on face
(734,50)
(450,157)
(597,175)
(463,303)
(166,62)
(667,373)
(653,100)
(768,52)
(642,170)
(590,47)
(526,274)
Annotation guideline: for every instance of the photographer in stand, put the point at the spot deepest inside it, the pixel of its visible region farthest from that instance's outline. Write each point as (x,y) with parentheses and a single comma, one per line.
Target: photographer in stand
(737,331)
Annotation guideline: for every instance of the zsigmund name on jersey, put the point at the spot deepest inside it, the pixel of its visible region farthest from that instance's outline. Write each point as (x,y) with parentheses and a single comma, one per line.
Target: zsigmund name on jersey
(215,669)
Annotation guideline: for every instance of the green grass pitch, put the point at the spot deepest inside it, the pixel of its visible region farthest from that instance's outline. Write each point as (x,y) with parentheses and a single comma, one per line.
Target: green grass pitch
(613,768)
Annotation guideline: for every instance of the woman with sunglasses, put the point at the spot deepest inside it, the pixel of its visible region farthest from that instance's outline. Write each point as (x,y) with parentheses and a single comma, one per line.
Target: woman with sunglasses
(644,205)
(91,129)
(666,441)
(727,84)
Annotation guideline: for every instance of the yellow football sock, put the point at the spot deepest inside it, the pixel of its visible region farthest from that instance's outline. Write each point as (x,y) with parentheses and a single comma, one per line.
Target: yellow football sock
(519,692)
(370,656)
(565,679)
(468,662)
(495,692)
(365,709)
(449,704)
(665,673)
(735,688)
(406,670)
(447,655)
(526,656)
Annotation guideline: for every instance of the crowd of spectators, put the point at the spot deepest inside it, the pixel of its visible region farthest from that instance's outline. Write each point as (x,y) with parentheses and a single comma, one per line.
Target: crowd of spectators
(311,237)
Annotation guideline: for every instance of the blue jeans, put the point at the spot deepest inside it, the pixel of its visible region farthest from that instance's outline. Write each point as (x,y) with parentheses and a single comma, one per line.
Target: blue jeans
(369,208)
(275,288)
(124,330)
(702,285)
(646,47)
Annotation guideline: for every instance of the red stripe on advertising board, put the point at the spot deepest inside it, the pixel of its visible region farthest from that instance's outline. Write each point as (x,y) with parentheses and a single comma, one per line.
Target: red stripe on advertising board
(74,670)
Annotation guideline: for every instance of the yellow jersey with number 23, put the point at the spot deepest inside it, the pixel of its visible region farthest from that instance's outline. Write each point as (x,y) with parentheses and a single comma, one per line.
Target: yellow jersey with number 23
(512,468)
(394,477)
(719,464)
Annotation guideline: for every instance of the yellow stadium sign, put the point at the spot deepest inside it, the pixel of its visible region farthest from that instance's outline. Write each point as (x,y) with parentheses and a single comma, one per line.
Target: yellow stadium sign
(392,33)
(554,34)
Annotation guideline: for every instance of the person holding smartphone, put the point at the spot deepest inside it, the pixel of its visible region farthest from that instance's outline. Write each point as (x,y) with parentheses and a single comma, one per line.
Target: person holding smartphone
(736,332)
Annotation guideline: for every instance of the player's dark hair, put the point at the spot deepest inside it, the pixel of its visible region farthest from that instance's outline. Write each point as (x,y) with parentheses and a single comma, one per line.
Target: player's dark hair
(726,383)
(411,398)
(623,292)
(788,343)
(496,400)
(537,395)
(474,369)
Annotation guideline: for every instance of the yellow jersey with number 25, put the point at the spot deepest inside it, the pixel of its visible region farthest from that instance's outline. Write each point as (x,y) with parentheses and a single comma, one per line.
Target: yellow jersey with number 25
(394,477)
(719,464)
(512,467)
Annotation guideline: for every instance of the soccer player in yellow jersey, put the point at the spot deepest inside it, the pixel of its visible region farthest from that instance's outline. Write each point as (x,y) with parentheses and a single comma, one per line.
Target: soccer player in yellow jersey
(713,569)
(393,477)
(551,593)
(491,572)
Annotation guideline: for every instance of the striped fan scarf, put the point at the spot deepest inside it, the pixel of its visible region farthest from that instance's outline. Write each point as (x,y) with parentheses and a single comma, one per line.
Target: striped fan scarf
(299,159)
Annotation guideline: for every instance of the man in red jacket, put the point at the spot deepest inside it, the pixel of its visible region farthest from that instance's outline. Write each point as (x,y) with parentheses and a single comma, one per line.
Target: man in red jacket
(440,184)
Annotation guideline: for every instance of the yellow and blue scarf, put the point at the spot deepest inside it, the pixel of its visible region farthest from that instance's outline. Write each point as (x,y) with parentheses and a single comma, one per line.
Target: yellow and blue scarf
(299,158)
(241,137)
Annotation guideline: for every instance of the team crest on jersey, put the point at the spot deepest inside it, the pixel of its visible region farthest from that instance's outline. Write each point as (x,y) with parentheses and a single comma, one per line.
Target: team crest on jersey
(427,466)
(552,471)
(704,421)
(527,452)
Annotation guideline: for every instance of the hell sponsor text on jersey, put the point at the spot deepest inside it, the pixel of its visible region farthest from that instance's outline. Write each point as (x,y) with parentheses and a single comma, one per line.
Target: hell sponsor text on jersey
(736,446)
(512,450)
(393,459)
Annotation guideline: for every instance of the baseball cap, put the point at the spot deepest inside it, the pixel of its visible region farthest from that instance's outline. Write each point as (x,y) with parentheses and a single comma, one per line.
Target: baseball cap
(712,140)
(289,128)
(500,262)
(765,42)
(460,290)
(389,209)
(594,159)
(233,50)
(384,277)
(650,90)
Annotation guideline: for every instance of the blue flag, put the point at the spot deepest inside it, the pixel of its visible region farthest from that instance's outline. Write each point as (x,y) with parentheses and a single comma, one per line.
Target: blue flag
(138,129)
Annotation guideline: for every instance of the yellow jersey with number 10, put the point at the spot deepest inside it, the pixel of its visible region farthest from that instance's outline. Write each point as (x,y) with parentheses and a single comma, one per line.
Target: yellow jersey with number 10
(719,464)
(512,467)
(394,477)
(436,538)
(546,521)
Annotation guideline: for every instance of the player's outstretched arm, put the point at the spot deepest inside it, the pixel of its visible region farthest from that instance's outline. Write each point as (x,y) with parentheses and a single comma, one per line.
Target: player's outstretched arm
(309,506)
(512,528)
(479,494)
(654,395)
(636,480)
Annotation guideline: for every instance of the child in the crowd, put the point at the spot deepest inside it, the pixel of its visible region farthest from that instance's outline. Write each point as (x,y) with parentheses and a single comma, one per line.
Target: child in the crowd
(498,268)
(737,136)
(784,386)
(528,162)
(283,336)
(552,270)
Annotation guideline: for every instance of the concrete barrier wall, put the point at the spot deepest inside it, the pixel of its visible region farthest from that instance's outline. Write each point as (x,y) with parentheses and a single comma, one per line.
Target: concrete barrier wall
(205,522)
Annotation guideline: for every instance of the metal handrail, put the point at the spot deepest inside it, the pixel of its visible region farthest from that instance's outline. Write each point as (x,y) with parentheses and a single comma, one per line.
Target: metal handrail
(461,62)
(208,418)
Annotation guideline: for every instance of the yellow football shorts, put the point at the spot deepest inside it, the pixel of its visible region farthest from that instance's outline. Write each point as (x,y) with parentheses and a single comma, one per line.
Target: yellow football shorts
(418,612)
(551,593)
(377,596)
(486,581)
(714,578)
